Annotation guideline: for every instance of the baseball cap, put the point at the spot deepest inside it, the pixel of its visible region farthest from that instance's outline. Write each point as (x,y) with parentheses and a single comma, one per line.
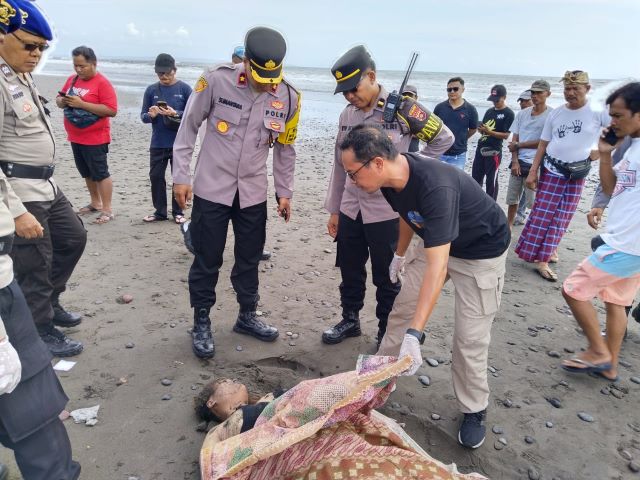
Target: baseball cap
(238,51)
(526,95)
(540,86)
(497,91)
(410,89)
(349,68)
(265,49)
(165,63)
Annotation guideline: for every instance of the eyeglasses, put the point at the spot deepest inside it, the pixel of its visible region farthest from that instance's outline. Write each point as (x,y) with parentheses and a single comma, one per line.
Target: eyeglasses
(32,47)
(452,89)
(352,175)
(165,74)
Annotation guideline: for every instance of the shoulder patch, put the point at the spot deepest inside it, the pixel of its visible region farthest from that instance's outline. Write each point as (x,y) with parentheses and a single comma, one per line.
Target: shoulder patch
(201,85)
(6,70)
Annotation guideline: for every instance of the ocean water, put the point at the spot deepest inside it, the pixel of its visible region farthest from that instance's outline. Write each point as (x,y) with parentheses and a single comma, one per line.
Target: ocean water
(320,105)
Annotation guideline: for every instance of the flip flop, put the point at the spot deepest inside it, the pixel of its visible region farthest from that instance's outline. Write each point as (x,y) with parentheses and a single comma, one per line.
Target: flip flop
(103,218)
(88,209)
(592,368)
(153,218)
(548,274)
(602,376)
(179,219)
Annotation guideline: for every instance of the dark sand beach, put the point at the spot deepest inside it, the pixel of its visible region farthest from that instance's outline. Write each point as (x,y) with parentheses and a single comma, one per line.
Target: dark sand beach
(148,431)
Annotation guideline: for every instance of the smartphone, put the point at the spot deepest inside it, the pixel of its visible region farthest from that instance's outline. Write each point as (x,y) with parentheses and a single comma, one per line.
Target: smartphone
(162,104)
(611,138)
(62,94)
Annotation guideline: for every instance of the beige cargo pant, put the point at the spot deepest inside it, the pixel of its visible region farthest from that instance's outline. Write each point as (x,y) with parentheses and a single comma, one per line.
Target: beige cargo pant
(478,288)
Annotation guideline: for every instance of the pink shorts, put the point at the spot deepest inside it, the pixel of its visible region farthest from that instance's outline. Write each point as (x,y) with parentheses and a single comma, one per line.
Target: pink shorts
(608,274)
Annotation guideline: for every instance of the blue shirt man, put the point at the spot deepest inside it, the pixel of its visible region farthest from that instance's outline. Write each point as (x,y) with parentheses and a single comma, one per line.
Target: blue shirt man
(462,119)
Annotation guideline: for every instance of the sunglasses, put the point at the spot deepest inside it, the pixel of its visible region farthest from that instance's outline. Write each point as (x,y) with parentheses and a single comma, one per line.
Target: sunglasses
(32,47)
(452,89)
(352,175)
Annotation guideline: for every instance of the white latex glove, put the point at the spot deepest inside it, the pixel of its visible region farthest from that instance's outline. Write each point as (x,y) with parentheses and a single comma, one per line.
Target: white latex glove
(411,347)
(396,268)
(10,367)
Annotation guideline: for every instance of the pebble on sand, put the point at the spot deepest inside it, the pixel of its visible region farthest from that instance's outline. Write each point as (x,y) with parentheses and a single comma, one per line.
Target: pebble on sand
(166,382)
(497,430)
(433,362)
(167,397)
(533,474)
(129,345)
(584,416)
(424,380)
(124,298)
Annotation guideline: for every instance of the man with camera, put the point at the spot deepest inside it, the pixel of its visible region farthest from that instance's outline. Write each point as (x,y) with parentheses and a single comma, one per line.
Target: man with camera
(50,238)
(162,106)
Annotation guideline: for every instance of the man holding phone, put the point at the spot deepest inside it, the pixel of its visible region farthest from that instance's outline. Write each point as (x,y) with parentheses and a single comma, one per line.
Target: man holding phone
(249,109)
(162,106)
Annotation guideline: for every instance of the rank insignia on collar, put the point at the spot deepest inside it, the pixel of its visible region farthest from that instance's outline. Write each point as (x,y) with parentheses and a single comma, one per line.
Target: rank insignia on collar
(380,103)
(6,70)
(242,80)
(201,85)
(274,87)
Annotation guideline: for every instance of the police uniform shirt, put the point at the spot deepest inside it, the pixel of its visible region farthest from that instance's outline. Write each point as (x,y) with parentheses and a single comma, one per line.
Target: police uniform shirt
(8,200)
(26,136)
(241,125)
(343,195)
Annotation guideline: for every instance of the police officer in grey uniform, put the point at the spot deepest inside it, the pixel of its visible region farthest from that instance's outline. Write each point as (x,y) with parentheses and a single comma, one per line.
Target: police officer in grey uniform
(249,110)
(363,224)
(50,237)
(31,396)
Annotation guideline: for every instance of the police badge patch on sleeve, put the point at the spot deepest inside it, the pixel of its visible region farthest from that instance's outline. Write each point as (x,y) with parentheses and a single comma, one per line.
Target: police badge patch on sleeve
(201,85)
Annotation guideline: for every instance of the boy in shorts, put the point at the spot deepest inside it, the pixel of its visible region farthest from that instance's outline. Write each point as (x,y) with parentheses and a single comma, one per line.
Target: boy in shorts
(612,272)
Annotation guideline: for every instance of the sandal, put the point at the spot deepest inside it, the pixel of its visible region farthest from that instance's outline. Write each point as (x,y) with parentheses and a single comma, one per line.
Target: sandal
(548,274)
(153,218)
(179,219)
(104,217)
(87,209)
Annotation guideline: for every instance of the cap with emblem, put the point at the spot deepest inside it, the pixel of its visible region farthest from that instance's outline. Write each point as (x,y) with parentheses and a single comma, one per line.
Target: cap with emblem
(410,90)
(526,95)
(349,68)
(265,49)
(540,86)
(497,92)
(575,77)
(165,63)
(10,20)
(34,20)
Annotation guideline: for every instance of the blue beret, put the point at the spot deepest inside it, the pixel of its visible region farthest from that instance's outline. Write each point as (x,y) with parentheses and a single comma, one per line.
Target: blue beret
(10,19)
(33,20)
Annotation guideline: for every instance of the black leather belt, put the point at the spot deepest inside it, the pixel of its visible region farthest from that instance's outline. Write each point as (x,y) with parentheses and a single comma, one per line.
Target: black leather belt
(6,243)
(19,170)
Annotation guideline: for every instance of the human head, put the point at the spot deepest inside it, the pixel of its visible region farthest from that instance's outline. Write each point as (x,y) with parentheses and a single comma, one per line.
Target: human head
(355,76)
(85,62)
(455,88)
(238,54)
(219,399)
(264,51)
(498,95)
(540,91)
(165,68)
(524,99)
(624,110)
(576,87)
(22,48)
(364,151)
(410,91)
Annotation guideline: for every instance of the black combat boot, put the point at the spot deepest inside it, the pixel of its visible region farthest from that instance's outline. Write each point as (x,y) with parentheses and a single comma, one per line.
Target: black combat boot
(348,327)
(266,255)
(249,324)
(58,343)
(201,335)
(382,329)
(61,317)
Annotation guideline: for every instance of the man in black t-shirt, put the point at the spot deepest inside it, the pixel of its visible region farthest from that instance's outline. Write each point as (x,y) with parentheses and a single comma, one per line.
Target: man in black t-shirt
(465,238)
(494,129)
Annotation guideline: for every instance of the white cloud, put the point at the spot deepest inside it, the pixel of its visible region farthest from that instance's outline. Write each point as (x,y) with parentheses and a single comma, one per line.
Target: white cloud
(182,32)
(132,29)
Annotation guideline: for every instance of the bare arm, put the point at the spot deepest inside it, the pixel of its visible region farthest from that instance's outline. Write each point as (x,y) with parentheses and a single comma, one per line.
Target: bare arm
(435,274)
(405,234)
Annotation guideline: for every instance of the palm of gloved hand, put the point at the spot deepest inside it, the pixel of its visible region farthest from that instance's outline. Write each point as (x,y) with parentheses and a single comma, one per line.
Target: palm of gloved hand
(396,268)
(411,347)
(10,367)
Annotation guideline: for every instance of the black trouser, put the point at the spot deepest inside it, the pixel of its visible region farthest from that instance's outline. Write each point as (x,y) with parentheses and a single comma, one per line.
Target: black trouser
(29,423)
(356,241)
(158,160)
(209,224)
(487,166)
(42,266)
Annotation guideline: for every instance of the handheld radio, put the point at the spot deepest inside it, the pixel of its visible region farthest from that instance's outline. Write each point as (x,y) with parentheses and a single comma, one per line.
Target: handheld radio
(393,100)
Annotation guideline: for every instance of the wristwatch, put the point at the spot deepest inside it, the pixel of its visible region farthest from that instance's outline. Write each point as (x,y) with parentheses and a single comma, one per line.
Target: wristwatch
(419,335)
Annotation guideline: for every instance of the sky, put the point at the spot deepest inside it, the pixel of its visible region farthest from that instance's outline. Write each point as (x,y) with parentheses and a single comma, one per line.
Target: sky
(519,37)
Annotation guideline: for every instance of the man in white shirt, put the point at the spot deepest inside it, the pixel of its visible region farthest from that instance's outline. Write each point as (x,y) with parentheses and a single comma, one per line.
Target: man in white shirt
(612,272)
